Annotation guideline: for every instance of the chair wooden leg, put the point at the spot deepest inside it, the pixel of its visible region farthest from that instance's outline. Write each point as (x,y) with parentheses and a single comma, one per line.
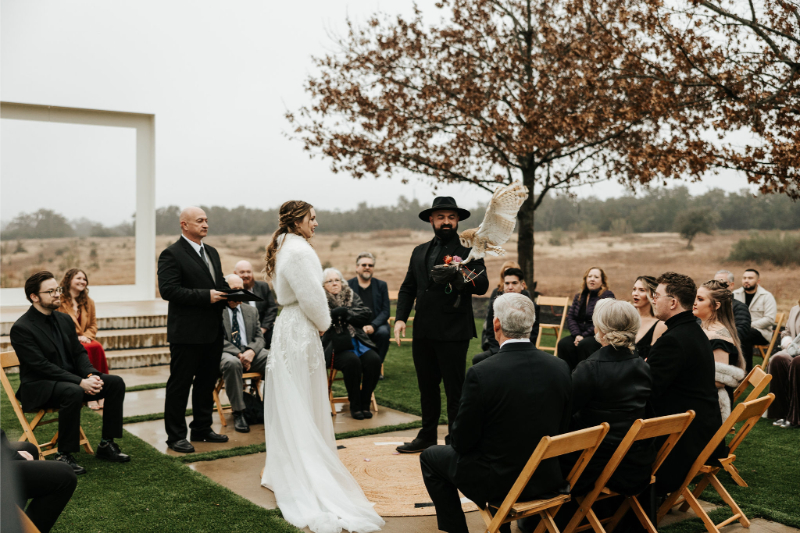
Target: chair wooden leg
(487,517)
(621,512)
(698,490)
(374,403)
(219,406)
(548,522)
(333,405)
(737,512)
(731,469)
(85,441)
(699,511)
(641,515)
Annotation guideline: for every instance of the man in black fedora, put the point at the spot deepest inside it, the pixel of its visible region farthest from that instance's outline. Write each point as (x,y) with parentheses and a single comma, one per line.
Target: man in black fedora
(443,324)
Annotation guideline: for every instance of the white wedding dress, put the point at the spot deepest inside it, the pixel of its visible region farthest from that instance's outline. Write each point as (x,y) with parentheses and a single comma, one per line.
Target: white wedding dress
(311,485)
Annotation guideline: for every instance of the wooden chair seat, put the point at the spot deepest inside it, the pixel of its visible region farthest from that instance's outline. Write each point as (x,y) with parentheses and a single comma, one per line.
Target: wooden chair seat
(555,329)
(342,399)
(255,383)
(9,360)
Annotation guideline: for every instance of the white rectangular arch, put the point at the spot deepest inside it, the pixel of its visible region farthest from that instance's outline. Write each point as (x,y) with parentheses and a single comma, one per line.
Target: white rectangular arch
(145,286)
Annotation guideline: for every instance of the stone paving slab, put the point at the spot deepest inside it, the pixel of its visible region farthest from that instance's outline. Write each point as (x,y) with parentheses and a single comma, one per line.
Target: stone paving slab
(677,516)
(143,376)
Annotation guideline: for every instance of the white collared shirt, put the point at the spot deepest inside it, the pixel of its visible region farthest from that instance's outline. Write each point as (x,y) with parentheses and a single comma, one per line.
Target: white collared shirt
(509,341)
(195,246)
(242,329)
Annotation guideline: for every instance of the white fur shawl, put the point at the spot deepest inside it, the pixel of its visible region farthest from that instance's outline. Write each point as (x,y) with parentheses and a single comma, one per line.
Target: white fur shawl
(298,279)
(730,376)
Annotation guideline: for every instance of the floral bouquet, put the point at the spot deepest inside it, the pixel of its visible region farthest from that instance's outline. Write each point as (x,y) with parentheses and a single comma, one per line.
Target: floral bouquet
(453,274)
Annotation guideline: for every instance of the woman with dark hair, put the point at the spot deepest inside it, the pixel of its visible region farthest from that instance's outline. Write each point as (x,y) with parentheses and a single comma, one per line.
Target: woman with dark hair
(785,369)
(76,303)
(581,343)
(651,328)
(713,305)
(347,347)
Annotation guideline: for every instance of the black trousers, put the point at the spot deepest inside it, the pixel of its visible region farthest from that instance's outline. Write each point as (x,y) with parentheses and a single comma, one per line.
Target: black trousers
(437,362)
(190,364)
(360,376)
(575,354)
(381,339)
(48,484)
(750,341)
(69,398)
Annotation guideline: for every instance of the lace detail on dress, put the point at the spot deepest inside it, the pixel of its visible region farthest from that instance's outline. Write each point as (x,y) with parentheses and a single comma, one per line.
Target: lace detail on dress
(298,338)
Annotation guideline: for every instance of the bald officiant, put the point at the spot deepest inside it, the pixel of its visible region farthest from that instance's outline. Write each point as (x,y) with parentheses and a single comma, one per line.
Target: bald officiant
(190,279)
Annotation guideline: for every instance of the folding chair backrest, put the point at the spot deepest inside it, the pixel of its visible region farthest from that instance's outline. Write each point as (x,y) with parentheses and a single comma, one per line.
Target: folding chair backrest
(558,329)
(779,318)
(758,379)
(8,360)
(585,440)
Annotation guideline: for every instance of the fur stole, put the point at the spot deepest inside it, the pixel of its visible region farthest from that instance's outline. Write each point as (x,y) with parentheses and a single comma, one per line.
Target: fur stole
(730,376)
(343,299)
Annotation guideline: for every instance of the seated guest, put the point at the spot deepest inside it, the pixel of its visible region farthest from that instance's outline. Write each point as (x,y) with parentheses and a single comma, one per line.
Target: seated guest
(48,484)
(76,303)
(651,327)
(347,345)
(267,308)
(741,314)
(785,369)
(54,372)
(581,343)
(487,335)
(763,309)
(509,402)
(713,307)
(242,351)
(514,280)
(374,294)
(612,385)
(682,366)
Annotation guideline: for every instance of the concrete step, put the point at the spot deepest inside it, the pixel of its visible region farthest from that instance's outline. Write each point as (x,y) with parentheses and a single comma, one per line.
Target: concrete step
(118,339)
(113,315)
(140,357)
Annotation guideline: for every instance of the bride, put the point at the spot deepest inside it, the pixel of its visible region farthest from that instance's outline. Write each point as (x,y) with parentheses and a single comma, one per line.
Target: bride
(311,485)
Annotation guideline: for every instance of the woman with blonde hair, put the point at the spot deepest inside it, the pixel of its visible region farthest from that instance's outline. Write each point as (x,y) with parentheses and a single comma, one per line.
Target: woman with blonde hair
(652,328)
(76,303)
(713,305)
(312,487)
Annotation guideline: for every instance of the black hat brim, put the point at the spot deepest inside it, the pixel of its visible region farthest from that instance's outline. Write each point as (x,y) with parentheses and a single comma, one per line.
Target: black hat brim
(463,214)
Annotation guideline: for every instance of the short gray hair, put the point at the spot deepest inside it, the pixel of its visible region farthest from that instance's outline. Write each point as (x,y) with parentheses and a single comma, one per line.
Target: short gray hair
(728,273)
(328,271)
(362,255)
(618,321)
(516,314)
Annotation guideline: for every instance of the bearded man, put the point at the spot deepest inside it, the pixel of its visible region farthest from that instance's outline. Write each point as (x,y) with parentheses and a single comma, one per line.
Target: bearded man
(444,322)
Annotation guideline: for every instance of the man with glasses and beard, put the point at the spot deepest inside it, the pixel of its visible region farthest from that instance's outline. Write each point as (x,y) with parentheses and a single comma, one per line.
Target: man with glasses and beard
(55,372)
(444,322)
(375,295)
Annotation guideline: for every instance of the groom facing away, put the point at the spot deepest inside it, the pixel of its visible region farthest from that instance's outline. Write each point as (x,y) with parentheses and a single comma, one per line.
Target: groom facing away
(489,446)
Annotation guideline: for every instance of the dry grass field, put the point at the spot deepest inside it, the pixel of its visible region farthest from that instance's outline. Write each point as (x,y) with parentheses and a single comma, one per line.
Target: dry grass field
(559,269)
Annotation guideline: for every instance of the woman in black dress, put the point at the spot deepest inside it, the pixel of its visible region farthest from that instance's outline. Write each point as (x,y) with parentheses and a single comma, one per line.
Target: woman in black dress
(651,328)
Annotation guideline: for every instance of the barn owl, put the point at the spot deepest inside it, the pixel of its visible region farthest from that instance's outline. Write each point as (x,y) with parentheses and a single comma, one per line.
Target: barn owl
(498,223)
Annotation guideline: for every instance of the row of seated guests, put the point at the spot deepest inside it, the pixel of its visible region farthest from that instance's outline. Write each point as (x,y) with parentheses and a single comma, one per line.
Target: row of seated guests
(489,447)
(785,369)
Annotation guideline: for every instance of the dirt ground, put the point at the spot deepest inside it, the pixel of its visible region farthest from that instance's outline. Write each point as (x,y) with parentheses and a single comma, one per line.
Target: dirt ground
(558,269)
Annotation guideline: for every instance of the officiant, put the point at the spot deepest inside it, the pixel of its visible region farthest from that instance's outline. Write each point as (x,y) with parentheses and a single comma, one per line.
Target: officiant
(444,322)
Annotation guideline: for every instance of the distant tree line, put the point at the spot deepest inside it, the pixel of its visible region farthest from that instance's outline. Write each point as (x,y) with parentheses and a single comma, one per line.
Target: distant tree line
(46,223)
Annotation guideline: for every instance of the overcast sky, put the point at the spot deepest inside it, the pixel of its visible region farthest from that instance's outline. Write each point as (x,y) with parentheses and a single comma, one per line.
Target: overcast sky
(218,76)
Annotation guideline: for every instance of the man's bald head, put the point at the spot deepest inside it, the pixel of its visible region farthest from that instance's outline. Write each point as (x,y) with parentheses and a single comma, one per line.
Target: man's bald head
(194,223)
(244,270)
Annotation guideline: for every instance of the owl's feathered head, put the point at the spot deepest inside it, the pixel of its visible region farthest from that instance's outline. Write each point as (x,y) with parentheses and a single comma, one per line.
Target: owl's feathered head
(467,237)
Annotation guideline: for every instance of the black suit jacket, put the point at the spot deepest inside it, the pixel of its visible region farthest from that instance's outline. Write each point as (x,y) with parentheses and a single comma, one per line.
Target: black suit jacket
(185,282)
(436,318)
(509,402)
(381,306)
(682,366)
(741,315)
(39,360)
(267,310)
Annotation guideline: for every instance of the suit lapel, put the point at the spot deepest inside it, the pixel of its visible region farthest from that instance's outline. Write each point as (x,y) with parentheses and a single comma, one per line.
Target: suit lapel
(47,333)
(196,257)
(226,320)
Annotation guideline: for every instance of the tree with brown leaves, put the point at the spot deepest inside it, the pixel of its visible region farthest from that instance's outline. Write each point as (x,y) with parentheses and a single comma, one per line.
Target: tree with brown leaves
(549,92)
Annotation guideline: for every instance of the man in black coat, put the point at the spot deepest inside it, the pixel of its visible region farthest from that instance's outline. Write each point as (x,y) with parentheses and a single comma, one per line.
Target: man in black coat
(190,279)
(510,401)
(267,308)
(741,314)
(682,366)
(55,372)
(444,323)
(375,295)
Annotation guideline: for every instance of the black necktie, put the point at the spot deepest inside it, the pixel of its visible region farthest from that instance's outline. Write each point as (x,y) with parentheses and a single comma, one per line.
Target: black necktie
(208,263)
(235,333)
(58,340)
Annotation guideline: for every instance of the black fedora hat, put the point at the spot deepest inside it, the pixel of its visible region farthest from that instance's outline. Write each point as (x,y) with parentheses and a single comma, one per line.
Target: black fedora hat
(444,203)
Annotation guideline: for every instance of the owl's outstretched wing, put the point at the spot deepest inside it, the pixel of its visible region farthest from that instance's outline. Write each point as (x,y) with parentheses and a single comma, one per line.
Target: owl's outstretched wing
(501,215)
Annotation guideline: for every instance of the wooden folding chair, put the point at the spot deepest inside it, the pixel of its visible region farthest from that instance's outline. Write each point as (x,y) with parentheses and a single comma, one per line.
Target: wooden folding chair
(9,360)
(255,383)
(748,412)
(672,427)
(27,525)
(342,399)
(758,379)
(555,328)
(779,320)
(585,441)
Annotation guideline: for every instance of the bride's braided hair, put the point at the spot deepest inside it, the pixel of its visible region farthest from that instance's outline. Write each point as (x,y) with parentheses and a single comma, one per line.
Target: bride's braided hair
(290,214)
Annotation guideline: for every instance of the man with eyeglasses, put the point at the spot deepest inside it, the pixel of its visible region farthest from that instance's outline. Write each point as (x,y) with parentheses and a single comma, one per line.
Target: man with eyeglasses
(375,295)
(55,372)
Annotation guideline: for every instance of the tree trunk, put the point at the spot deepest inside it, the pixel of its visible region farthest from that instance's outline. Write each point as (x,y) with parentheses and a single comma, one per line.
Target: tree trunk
(525,221)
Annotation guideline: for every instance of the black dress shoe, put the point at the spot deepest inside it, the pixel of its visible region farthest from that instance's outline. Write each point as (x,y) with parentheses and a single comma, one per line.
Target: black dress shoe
(181,446)
(358,415)
(67,458)
(110,452)
(209,436)
(239,423)
(415,446)
(367,413)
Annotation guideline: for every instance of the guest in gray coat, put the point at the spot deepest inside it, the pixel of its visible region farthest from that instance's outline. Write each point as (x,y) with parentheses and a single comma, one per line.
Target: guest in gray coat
(242,351)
